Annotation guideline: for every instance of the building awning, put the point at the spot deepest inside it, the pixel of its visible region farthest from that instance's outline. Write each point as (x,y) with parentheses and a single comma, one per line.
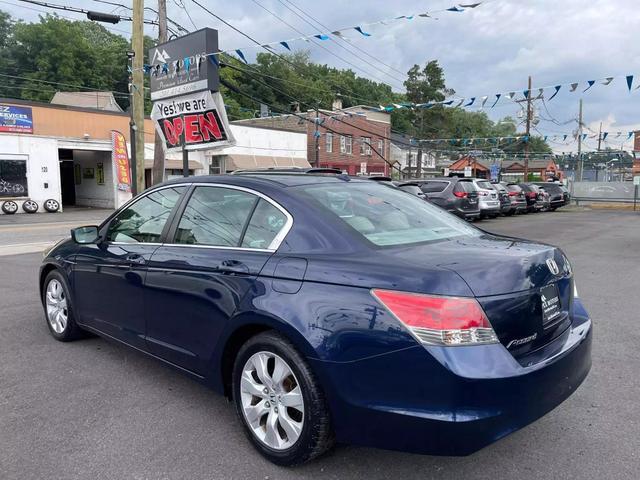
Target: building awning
(174,164)
(238,162)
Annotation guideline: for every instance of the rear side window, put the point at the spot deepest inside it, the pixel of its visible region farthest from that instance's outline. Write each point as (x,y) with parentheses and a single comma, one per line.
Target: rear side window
(144,220)
(215,216)
(434,187)
(266,222)
(386,216)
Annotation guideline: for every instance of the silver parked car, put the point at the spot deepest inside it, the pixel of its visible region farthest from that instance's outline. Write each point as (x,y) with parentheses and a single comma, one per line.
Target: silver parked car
(487,198)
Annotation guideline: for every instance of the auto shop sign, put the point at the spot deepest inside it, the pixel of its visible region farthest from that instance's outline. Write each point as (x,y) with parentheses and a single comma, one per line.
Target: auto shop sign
(195,122)
(184,65)
(15,119)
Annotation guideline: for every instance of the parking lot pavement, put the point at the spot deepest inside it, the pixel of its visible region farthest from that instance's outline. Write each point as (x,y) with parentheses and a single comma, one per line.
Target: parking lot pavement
(92,409)
(33,233)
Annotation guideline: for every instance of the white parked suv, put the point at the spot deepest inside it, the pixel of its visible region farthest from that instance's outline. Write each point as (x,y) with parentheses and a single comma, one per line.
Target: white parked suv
(488,199)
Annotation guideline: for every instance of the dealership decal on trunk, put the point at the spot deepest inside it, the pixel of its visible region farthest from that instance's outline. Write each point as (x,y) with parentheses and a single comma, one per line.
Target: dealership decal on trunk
(197,121)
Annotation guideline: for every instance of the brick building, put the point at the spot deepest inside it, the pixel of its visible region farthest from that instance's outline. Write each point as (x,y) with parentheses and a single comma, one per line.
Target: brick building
(353,139)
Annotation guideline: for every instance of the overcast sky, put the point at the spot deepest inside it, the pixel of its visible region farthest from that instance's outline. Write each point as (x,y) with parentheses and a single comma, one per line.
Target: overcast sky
(486,50)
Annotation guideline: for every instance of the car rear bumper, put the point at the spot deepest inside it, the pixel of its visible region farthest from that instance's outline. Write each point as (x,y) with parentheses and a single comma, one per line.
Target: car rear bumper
(452,400)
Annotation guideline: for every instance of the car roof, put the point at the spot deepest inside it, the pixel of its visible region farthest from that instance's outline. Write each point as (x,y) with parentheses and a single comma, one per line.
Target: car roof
(268,178)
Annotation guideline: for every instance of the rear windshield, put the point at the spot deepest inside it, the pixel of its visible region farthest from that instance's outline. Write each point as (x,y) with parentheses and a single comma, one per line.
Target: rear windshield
(485,185)
(499,187)
(514,188)
(387,217)
(466,186)
(434,187)
(414,189)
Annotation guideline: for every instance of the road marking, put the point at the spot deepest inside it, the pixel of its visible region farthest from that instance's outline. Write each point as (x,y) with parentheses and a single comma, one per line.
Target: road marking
(23,227)
(17,249)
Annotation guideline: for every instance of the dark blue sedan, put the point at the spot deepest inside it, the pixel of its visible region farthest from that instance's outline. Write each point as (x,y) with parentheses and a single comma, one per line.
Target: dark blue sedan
(329,309)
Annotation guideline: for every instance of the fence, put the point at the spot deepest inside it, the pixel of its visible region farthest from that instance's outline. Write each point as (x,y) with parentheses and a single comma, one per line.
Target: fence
(589,192)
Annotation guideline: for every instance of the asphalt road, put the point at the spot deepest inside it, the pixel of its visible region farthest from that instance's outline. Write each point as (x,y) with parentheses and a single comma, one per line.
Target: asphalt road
(94,410)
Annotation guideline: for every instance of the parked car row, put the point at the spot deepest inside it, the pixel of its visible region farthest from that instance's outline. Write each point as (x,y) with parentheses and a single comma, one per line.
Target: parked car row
(477,198)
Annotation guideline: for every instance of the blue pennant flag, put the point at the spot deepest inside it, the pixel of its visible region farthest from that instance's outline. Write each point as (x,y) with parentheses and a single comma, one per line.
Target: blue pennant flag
(322,36)
(525,138)
(630,135)
(455,9)
(449,102)
(285,45)
(473,99)
(526,93)
(584,136)
(629,81)
(605,135)
(147,68)
(214,59)
(316,134)
(557,87)
(470,5)
(359,29)
(498,95)
(545,137)
(564,137)
(590,83)
(241,55)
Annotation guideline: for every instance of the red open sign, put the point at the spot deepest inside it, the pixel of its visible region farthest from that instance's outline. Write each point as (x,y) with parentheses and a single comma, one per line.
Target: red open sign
(193,129)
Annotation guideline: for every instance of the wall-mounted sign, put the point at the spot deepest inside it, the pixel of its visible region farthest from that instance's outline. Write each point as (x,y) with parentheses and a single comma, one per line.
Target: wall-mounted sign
(468,171)
(181,66)
(13,178)
(16,119)
(197,121)
(120,158)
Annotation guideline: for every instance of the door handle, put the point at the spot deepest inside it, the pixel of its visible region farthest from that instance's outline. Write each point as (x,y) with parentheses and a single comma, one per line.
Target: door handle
(136,259)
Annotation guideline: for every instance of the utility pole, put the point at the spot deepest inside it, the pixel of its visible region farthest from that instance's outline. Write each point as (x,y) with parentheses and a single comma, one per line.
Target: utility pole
(580,163)
(600,137)
(526,145)
(132,126)
(316,137)
(157,174)
(137,37)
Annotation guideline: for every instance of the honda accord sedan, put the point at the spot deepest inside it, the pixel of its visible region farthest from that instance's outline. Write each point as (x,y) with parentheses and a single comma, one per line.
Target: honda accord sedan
(329,309)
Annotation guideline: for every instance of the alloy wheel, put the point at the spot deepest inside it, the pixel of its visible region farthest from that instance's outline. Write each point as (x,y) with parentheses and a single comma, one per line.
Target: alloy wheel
(57,309)
(272,402)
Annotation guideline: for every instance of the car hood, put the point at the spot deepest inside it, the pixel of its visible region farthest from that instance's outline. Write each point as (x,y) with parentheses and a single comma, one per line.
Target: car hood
(489,264)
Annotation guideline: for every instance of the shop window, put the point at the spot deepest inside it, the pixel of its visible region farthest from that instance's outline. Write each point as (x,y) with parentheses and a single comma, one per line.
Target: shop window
(13,178)
(365,146)
(329,142)
(216,167)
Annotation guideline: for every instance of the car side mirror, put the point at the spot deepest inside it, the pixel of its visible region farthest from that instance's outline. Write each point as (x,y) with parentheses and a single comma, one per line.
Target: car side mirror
(85,235)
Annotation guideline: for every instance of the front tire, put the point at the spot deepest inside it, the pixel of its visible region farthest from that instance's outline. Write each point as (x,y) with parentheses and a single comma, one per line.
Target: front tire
(58,310)
(279,401)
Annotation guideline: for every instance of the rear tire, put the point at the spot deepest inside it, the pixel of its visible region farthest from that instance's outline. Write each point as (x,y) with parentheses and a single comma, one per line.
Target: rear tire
(279,401)
(58,310)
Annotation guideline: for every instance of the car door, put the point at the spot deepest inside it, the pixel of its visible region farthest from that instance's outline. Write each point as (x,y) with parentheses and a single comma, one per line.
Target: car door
(108,277)
(216,248)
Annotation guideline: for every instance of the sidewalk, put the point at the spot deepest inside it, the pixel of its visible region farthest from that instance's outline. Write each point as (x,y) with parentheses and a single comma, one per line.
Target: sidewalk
(27,233)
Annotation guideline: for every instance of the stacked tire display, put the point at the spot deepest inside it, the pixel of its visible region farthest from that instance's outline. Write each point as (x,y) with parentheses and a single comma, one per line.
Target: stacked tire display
(10,207)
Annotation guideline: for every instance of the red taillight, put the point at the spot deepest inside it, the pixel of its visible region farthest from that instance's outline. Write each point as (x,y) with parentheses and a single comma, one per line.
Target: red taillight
(438,320)
(513,194)
(460,194)
(531,194)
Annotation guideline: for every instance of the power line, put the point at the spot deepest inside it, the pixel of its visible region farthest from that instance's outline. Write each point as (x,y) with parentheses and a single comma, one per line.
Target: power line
(338,36)
(122,5)
(114,92)
(316,43)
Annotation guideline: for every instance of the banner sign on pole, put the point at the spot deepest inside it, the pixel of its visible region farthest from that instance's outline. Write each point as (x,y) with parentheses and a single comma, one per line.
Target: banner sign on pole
(16,119)
(180,66)
(197,121)
(495,171)
(120,158)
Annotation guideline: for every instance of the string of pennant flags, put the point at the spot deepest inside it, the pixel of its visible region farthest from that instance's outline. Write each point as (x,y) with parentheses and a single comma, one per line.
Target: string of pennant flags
(362,30)
(492,100)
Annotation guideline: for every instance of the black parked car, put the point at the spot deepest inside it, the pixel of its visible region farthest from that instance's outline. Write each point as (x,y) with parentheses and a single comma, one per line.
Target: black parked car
(456,195)
(412,188)
(517,197)
(506,207)
(532,195)
(556,194)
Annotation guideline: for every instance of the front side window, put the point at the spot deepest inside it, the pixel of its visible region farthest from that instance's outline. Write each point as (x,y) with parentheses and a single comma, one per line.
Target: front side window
(144,220)
(215,216)
(385,216)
